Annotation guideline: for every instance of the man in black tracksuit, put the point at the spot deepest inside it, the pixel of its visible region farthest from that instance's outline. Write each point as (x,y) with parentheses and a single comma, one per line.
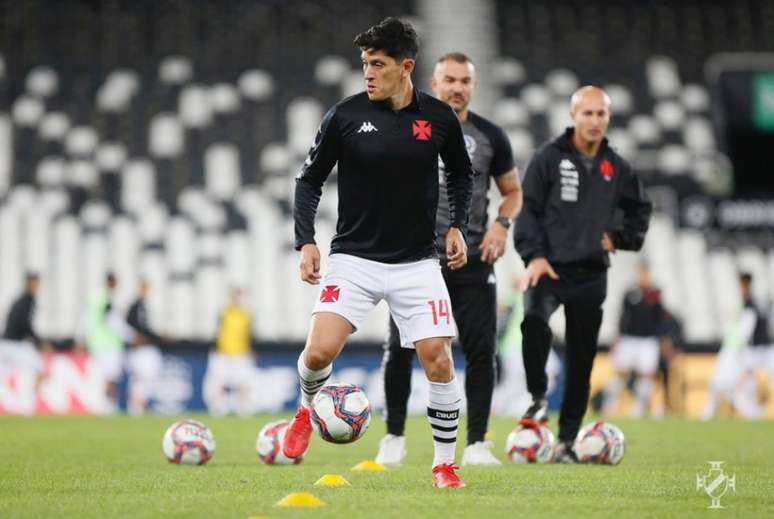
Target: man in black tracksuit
(582,201)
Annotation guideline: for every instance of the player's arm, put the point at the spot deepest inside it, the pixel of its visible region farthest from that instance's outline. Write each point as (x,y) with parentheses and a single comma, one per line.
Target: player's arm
(318,165)
(506,178)
(530,237)
(636,215)
(459,186)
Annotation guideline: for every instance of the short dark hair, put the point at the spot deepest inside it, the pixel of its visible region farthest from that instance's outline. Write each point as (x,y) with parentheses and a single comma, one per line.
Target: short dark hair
(457,57)
(397,39)
(745,277)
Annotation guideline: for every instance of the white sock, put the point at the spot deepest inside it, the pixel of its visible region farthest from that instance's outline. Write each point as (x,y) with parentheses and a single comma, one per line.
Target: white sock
(311,380)
(443,413)
(643,388)
(613,392)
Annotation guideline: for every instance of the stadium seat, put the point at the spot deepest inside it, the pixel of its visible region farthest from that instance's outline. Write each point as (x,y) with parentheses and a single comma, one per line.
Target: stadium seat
(508,71)
(256,85)
(51,172)
(331,70)
(166,138)
(695,98)
(663,77)
(699,322)
(180,246)
(562,83)
(620,99)
(536,97)
(54,126)
(221,171)
(509,113)
(224,98)
(303,119)
(175,70)
(194,106)
(138,185)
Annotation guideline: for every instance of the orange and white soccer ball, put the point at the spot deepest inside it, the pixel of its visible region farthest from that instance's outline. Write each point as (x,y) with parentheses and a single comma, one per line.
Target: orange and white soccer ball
(269,444)
(601,443)
(530,445)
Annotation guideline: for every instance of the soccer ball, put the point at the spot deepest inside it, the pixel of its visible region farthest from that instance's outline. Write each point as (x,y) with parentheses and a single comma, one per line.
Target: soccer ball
(530,445)
(341,413)
(601,443)
(269,444)
(189,442)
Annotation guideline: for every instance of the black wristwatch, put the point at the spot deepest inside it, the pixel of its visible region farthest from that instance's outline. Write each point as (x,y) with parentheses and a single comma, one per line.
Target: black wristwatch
(504,221)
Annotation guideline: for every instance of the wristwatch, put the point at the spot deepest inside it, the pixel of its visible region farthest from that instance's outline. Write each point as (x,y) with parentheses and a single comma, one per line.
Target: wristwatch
(504,221)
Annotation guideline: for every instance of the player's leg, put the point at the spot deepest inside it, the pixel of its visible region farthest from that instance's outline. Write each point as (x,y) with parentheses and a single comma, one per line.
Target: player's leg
(475,312)
(326,339)
(396,368)
(583,315)
(420,305)
(622,359)
(540,302)
(443,407)
(350,290)
(646,369)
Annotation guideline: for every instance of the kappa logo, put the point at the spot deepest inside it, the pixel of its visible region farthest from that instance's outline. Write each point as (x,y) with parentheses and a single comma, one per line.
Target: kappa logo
(330,294)
(422,130)
(367,127)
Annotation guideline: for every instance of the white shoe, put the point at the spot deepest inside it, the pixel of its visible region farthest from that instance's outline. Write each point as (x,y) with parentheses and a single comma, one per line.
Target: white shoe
(479,453)
(392,450)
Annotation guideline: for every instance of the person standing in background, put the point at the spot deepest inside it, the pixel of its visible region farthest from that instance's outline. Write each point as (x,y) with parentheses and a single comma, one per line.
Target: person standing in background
(231,367)
(144,360)
(20,347)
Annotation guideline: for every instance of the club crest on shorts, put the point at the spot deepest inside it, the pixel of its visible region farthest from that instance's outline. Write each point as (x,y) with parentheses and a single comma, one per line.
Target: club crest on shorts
(422,130)
(330,294)
(606,168)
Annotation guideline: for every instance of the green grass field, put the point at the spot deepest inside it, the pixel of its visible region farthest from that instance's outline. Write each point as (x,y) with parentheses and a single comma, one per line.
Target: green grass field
(113,467)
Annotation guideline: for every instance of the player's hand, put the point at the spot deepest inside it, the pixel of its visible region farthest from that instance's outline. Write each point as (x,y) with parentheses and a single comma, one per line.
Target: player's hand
(536,269)
(493,245)
(310,264)
(607,243)
(456,249)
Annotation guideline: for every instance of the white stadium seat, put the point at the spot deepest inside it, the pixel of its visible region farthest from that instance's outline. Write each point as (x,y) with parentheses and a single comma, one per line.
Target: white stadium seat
(508,71)
(663,77)
(256,85)
(275,158)
(138,185)
(95,215)
(698,135)
(536,97)
(81,141)
(331,70)
(166,138)
(621,100)
(180,246)
(6,152)
(152,223)
(27,111)
(562,83)
(42,81)
(175,70)
(645,129)
(82,173)
(303,119)
(695,98)
(110,156)
(194,106)
(221,170)
(669,114)
(51,172)
(224,98)
(54,126)
(510,112)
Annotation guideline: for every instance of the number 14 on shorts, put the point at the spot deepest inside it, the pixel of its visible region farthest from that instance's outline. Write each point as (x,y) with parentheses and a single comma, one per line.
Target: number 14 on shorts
(440,309)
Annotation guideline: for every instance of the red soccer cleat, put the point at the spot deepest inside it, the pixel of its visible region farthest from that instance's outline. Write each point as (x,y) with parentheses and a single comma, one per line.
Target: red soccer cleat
(445,477)
(298,434)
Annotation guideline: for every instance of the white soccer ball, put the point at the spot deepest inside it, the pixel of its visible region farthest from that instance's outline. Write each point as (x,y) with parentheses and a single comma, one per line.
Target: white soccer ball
(270,441)
(601,443)
(530,445)
(188,442)
(341,413)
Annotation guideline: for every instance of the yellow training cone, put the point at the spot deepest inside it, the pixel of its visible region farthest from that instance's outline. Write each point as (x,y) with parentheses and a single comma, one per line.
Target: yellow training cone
(331,480)
(369,466)
(300,500)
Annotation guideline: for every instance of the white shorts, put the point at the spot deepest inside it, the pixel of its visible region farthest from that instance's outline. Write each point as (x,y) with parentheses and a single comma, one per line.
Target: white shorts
(415,293)
(109,364)
(230,370)
(639,354)
(144,362)
(22,355)
(759,358)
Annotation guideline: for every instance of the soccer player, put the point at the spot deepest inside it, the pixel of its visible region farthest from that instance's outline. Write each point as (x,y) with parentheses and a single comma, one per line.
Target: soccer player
(642,325)
(144,359)
(20,346)
(746,348)
(104,334)
(472,288)
(386,142)
(582,201)
(232,365)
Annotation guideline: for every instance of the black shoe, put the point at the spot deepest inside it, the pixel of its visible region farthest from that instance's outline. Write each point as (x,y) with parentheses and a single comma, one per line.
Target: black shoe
(564,453)
(536,415)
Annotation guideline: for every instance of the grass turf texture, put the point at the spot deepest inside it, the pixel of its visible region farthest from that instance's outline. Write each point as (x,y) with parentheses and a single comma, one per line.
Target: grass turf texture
(113,467)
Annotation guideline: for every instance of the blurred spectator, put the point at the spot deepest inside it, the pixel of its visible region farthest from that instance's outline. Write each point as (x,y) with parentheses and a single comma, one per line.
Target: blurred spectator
(746,346)
(144,360)
(103,331)
(637,350)
(231,367)
(20,346)
(671,345)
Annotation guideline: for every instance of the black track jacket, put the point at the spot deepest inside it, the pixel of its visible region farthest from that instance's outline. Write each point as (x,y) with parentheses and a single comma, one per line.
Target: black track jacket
(567,208)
